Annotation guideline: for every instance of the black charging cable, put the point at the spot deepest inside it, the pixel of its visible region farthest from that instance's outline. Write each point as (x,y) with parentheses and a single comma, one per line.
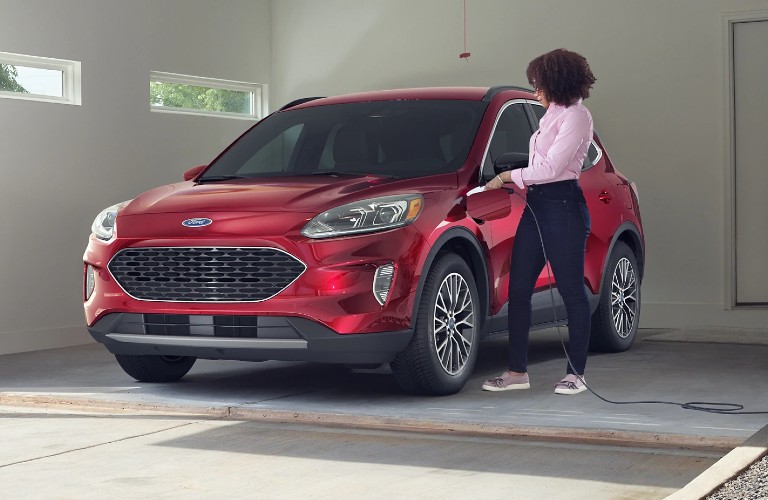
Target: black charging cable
(705,406)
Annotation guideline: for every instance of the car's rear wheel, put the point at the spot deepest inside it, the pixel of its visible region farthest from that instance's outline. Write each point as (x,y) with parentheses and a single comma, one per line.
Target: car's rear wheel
(614,323)
(442,353)
(149,368)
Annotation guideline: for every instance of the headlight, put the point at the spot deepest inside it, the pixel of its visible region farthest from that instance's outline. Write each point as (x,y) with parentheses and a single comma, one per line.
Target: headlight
(104,225)
(365,216)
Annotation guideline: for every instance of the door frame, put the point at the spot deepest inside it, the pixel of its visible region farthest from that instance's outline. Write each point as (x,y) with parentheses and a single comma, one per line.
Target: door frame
(729,182)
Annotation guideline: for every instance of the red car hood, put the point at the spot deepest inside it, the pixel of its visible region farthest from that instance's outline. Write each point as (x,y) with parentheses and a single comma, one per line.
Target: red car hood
(308,194)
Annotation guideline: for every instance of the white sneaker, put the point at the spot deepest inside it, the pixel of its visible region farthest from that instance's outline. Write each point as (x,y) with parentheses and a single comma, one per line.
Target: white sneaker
(507,382)
(571,384)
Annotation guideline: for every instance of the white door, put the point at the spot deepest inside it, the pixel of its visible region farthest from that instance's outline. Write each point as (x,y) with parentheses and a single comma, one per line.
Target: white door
(750,80)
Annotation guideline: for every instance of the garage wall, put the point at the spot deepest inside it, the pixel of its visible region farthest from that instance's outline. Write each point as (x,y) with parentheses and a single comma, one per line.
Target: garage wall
(60,164)
(660,103)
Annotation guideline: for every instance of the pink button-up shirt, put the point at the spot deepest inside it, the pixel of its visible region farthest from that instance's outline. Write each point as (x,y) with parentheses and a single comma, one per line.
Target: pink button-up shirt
(558,148)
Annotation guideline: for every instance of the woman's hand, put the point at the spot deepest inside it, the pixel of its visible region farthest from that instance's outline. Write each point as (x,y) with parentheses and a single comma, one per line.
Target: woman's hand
(494,183)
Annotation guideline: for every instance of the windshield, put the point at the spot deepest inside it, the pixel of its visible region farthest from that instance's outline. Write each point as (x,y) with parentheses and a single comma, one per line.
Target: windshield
(393,138)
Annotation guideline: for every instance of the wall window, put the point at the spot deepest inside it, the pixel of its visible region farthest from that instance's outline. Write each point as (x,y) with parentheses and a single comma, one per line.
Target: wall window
(39,78)
(169,92)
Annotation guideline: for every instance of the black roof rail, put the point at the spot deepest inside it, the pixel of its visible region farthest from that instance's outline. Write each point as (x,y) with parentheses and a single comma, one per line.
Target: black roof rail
(298,101)
(493,91)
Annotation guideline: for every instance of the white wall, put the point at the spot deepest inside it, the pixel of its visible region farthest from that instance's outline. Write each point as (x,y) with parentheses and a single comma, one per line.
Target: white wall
(60,164)
(659,103)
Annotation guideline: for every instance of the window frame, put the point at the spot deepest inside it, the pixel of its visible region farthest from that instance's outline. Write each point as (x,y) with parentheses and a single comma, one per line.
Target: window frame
(531,124)
(71,78)
(258,93)
(536,119)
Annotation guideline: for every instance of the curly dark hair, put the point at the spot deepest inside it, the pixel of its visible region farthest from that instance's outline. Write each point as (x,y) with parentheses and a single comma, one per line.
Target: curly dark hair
(562,75)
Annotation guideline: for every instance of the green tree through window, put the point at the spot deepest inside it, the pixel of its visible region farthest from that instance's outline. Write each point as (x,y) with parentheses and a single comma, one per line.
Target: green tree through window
(176,95)
(8,83)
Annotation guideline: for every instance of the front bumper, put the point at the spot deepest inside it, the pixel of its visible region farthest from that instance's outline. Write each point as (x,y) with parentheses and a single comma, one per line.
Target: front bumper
(245,338)
(335,290)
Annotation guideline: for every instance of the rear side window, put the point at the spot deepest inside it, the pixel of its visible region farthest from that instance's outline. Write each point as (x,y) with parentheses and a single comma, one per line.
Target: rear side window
(593,156)
(394,138)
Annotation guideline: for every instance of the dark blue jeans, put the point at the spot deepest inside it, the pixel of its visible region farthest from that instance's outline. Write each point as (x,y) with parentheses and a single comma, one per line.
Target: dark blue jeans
(564,221)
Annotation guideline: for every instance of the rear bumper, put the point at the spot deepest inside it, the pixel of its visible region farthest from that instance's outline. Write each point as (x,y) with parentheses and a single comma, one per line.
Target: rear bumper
(246,338)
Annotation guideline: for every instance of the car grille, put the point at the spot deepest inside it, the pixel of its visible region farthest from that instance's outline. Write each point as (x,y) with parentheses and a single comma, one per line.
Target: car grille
(204,274)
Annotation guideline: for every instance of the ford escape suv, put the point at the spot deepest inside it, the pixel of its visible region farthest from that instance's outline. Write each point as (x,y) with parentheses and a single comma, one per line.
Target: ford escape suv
(337,230)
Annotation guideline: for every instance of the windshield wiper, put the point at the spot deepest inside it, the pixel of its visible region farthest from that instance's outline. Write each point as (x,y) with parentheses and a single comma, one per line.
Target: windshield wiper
(336,172)
(339,172)
(214,178)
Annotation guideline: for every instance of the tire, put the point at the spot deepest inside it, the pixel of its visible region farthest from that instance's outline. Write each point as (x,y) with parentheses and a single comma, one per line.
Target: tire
(442,353)
(614,323)
(148,368)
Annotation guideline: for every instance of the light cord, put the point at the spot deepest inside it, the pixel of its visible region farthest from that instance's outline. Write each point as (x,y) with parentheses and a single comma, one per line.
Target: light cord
(704,406)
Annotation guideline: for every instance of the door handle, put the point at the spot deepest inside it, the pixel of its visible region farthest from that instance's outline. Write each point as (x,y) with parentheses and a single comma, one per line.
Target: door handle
(605,197)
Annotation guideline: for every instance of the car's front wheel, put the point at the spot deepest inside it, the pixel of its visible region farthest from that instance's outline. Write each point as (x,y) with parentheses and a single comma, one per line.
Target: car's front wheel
(150,368)
(614,323)
(441,355)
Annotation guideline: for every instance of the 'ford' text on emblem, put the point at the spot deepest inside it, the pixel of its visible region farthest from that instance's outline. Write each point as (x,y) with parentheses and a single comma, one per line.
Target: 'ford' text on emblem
(197,222)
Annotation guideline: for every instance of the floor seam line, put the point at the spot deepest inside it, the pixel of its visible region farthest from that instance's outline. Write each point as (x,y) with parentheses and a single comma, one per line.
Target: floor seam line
(82,448)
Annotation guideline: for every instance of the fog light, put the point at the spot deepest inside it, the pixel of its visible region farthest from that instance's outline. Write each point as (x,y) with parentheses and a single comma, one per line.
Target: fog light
(90,281)
(382,280)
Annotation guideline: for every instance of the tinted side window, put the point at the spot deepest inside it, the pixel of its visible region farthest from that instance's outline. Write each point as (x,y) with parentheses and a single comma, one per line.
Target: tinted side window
(538,110)
(512,134)
(593,156)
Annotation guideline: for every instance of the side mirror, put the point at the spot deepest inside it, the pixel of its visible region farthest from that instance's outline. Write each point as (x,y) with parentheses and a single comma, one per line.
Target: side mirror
(193,172)
(489,205)
(510,161)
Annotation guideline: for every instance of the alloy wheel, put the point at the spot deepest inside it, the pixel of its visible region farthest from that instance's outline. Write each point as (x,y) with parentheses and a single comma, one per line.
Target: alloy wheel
(624,298)
(454,323)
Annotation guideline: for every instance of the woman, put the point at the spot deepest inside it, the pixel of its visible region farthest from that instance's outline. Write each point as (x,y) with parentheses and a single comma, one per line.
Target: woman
(561,80)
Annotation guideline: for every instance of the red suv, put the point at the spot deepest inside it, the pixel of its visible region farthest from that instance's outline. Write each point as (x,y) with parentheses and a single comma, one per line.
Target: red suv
(336,230)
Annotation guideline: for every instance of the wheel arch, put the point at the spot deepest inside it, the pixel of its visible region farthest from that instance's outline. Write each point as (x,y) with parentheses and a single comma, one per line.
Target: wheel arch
(462,242)
(605,335)
(629,234)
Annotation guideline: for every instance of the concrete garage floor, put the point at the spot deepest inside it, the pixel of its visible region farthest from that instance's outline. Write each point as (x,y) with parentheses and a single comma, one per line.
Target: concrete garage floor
(664,445)
(48,455)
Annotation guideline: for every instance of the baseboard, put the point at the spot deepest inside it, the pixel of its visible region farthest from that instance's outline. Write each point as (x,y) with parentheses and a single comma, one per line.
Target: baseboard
(37,340)
(700,315)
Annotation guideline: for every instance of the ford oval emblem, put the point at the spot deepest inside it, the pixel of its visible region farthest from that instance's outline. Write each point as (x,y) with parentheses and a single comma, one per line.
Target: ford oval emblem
(197,222)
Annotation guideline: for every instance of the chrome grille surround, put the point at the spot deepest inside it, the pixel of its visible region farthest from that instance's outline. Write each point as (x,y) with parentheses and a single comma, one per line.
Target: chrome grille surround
(204,274)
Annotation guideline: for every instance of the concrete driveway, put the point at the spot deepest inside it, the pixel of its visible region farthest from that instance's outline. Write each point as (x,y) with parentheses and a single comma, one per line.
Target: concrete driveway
(72,455)
(220,405)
